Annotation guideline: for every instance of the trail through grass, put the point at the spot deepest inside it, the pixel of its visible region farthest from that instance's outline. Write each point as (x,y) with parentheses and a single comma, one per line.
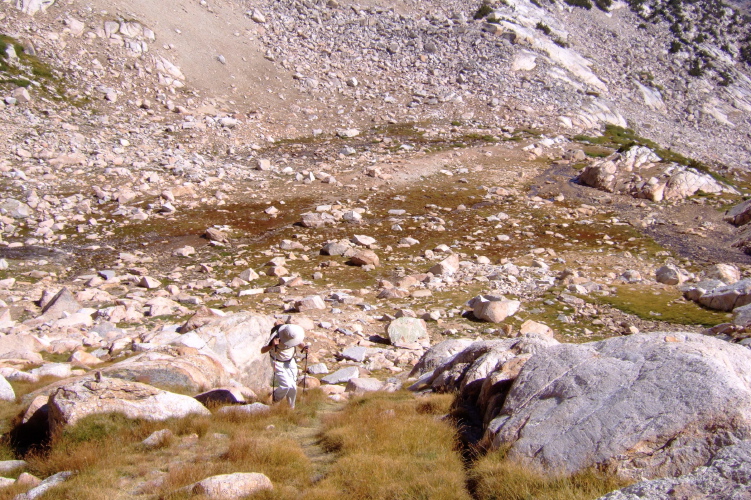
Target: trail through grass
(380,446)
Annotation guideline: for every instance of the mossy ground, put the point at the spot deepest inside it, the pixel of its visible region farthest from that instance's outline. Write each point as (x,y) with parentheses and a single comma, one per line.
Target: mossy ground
(662,303)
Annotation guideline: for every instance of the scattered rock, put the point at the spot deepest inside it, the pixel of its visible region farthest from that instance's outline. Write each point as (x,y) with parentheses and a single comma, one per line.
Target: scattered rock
(232,486)
(342,375)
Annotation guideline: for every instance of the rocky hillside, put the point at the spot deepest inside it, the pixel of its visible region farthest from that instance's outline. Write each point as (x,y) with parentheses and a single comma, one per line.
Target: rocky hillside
(439,193)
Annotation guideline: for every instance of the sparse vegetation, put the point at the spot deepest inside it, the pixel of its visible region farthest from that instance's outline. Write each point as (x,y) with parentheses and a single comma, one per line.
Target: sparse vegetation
(585,4)
(483,11)
(623,139)
(544,28)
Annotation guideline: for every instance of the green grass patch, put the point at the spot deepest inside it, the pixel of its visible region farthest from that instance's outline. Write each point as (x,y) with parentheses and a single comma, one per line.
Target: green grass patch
(623,139)
(662,304)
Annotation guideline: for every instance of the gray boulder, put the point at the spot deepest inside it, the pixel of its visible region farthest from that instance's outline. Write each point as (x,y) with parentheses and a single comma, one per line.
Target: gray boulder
(726,477)
(482,373)
(355,353)
(406,330)
(76,400)
(14,208)
(694,291)
(341,375)
(236,341)
(440,353)
(63,302)
(669,275)
(642,406)
(728,297)
(740,214)
(362,385)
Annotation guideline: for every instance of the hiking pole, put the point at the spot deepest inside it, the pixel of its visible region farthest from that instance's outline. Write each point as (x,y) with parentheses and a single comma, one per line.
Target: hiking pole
(305,373)
(273,381)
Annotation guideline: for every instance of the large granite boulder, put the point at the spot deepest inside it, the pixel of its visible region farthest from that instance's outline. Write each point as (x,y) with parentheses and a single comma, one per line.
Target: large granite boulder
(642,406)
(172,367)
(482,372)
(726,476)
(407,330)
(76,400)
(236,341)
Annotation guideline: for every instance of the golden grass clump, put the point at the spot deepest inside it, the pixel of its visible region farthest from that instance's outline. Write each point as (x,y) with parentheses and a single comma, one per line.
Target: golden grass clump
(496,477)
(389,450)
(282,459)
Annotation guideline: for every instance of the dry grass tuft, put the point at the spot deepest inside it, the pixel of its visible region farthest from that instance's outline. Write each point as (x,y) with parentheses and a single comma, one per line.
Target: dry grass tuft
(495,477)
(282,460)
(388,450)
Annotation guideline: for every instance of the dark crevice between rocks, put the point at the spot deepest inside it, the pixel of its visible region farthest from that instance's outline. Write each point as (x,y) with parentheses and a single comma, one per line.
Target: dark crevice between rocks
(470,421)
(32,436)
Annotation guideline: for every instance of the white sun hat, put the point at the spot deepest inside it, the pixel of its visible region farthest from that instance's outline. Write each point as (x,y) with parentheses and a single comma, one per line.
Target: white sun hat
(291,335)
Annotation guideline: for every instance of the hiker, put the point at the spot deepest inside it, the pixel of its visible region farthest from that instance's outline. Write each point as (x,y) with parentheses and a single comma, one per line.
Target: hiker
(281,347)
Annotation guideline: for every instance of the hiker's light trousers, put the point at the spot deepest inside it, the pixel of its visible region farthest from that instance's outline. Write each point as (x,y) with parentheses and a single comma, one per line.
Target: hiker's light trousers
(286,381)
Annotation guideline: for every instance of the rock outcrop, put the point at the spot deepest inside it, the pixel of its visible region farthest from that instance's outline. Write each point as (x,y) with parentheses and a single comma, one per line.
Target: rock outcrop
(172,367)
(640,173)
(650,405)
(716,295)
(482,372)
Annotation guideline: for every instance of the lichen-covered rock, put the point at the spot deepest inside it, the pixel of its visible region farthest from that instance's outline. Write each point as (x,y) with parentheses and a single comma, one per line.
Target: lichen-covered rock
(649,405)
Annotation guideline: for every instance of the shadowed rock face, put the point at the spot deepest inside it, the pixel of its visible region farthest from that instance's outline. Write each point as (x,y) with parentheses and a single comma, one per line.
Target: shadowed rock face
(482,371)
(650,405)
